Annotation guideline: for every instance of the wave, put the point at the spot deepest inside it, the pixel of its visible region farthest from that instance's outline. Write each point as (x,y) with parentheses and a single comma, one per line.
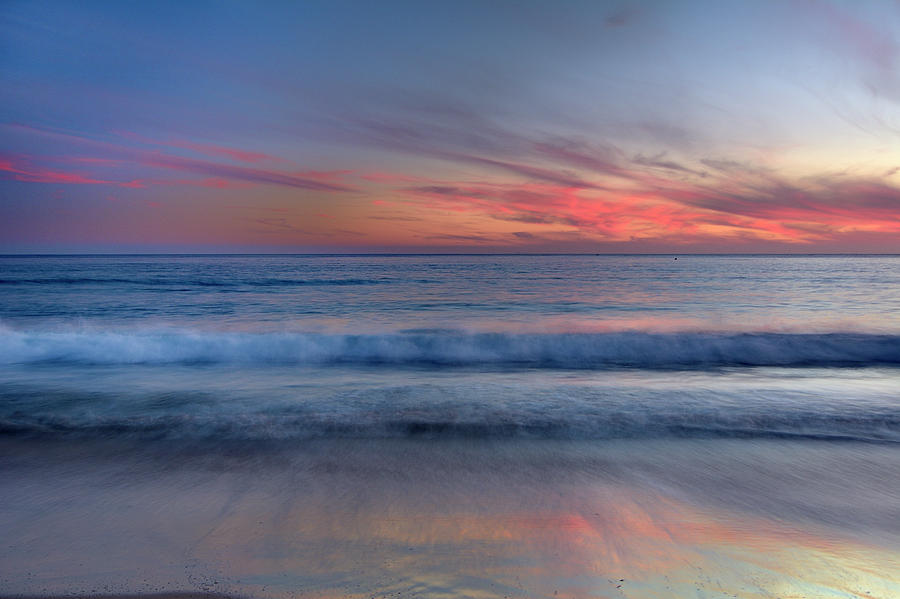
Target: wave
(448,413)
(629,349)
(168,281)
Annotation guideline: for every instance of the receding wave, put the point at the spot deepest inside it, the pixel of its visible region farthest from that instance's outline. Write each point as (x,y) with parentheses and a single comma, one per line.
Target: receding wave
(446,413)
(448,348)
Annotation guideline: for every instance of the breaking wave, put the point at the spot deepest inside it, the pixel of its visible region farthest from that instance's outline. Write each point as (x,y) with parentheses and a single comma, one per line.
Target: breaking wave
(629,349)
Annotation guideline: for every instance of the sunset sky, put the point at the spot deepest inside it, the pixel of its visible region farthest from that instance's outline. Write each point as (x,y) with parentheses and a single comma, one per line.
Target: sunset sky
(338,126)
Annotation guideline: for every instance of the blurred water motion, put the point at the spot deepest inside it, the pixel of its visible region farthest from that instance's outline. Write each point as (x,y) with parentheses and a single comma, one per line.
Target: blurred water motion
(438,426)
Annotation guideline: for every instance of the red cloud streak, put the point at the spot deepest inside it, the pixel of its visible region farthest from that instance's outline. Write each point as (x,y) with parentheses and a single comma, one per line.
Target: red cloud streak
(33,174)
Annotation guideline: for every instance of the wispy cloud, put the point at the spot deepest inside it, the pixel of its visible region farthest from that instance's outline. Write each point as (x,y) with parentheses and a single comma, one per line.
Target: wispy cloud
(872,45)
(203,148)
(240,173)
(566,178)
(742,203)
(19,170)
(816,208)
(116,154)
(659,161)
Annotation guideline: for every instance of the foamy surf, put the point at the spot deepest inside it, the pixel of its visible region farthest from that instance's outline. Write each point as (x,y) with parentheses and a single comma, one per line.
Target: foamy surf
(449,348)
(482,426)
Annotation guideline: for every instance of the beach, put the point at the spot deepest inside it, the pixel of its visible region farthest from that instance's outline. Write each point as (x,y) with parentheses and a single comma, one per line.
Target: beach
(416,518)
(168,446)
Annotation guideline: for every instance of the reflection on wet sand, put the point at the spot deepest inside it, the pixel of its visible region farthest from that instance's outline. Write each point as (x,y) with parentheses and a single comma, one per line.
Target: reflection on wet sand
(410,519)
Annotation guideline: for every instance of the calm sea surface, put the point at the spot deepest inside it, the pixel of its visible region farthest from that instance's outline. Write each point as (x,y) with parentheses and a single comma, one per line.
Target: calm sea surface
(451,426)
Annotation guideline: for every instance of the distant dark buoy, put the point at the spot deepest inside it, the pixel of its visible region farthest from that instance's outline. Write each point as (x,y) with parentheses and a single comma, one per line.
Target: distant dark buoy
(676,258)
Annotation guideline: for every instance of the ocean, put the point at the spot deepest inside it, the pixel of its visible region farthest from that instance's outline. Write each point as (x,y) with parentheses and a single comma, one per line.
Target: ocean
(450,426)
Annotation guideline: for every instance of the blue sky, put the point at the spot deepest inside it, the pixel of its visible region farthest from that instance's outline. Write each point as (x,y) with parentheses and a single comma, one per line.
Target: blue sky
(464,126)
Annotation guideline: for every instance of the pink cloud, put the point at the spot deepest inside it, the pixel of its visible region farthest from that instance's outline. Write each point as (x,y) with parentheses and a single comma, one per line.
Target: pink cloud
(310,180)
(382,177)
(240,173)
(96,161)
(34,174)
(656,199)
(324,175)
(213,182)
(679,212)
(234,154)
(203,148)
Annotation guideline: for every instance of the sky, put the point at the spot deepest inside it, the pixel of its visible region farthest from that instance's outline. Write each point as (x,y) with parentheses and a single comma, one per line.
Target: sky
(437,126)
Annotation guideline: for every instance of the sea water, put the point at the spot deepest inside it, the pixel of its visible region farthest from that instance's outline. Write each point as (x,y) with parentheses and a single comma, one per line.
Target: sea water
(450,426)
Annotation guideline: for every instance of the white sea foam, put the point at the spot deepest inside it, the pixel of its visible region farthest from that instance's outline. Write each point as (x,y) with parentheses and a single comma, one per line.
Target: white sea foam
(448,348)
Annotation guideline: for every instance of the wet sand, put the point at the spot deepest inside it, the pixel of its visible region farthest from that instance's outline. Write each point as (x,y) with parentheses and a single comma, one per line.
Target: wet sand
(463,518)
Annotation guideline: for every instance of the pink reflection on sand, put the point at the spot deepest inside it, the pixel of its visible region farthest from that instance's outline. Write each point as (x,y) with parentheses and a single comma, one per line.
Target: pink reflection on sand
(408,519)
(582,541)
